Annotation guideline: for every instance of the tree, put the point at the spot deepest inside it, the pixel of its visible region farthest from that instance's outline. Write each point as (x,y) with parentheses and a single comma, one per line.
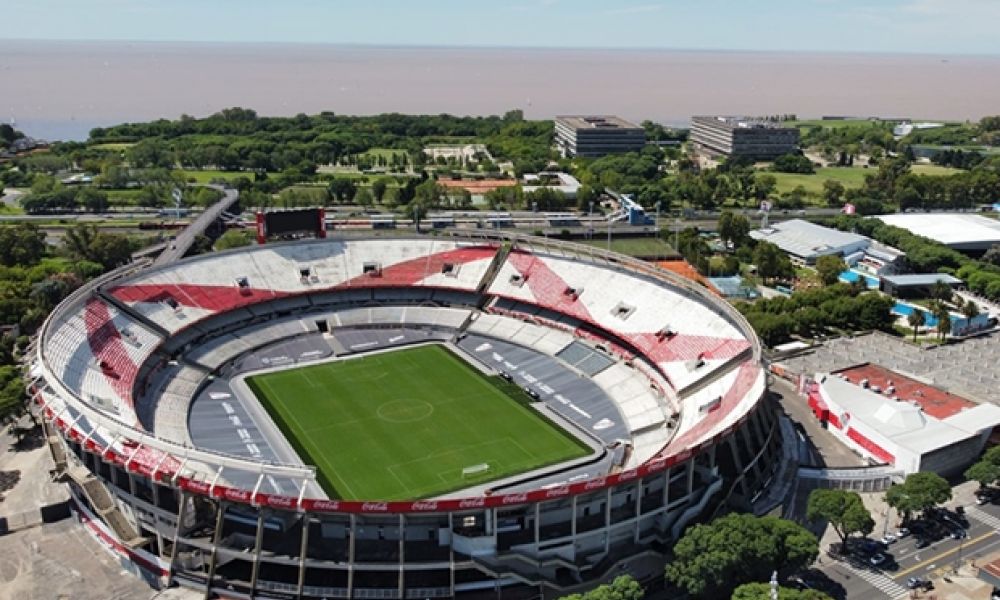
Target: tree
(764,185)
(833,192)
(941,291)
(984,472)
(943,316)
(918,492)
(992,255)
(733,228)
(792,163)
(970,310)
(916,320)
(342,189)
(624,587)
(762,591)
(829,268)
(364,197)
(234,238)
(13,400)
(710,560)
(22,244)
(92,199)
(771,261)
(83,241)
(843,510)
(378,188)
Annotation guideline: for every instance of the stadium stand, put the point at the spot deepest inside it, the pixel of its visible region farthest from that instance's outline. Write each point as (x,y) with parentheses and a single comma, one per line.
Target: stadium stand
(651,372)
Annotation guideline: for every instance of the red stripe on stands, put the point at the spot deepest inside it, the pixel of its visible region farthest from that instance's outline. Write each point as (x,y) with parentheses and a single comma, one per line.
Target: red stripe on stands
(415,270)
(745,378)
(548,288)
(216,298)
(683,347)
(108,348)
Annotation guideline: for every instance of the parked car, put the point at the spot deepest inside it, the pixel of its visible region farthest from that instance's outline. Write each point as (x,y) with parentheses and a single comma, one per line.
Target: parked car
(888,539)
(958,534)
(922,542)
(902,532)
(878,559)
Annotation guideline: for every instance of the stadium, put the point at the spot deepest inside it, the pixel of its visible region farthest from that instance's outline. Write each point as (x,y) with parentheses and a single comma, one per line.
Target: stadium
(400,417)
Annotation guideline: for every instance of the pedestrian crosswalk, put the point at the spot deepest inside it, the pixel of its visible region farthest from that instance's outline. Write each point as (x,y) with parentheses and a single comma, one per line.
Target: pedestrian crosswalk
(880,582)
(981,515)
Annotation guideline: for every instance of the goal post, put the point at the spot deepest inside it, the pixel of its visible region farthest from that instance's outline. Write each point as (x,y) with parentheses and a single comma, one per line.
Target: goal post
(475,469)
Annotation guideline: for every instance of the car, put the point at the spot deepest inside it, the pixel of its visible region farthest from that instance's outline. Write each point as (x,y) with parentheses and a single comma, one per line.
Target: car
(922,542)
(982,499)
(902,532)
(914,583)
(958,534)
(888,539)
(878,559)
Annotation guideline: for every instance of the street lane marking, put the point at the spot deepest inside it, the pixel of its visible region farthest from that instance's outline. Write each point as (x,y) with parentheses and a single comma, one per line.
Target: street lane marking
(919,565)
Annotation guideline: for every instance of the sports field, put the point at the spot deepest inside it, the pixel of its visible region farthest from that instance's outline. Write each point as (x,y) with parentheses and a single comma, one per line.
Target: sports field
(403,425)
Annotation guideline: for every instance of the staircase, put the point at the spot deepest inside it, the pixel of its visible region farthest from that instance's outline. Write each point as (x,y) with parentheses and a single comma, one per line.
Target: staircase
(498,260)
(134,314)
(102,502)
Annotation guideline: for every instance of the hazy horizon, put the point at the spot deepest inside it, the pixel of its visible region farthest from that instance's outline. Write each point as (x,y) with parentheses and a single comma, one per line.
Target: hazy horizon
(65,88)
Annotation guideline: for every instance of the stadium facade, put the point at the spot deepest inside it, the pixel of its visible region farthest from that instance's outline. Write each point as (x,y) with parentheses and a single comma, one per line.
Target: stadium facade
(128,370)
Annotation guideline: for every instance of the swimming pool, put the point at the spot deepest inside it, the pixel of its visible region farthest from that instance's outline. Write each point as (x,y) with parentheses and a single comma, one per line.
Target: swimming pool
(906,310)
(852,276)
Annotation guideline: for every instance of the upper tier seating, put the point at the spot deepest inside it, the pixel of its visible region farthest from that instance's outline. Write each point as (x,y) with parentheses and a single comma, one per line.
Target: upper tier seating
(97,351)
(178,295)
(671,330)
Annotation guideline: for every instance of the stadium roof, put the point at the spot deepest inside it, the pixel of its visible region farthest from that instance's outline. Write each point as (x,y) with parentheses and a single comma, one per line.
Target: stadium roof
(935,401)
(959,231)
(808,240)
(921,279)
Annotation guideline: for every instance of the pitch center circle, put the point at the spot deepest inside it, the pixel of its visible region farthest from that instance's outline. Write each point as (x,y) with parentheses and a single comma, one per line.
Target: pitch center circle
(405,410)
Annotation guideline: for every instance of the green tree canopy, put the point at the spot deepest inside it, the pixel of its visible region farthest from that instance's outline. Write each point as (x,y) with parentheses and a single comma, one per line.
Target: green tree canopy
(762,591)
(234,238)
(829,268)
(843,510)
(918,492)
(711,560)
(624,587)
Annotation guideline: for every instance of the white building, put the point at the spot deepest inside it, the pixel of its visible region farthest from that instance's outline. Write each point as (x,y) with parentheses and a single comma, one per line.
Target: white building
(898,432)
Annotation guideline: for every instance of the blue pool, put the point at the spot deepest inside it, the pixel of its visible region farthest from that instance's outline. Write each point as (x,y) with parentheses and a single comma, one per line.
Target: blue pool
(907,309)
(852,276)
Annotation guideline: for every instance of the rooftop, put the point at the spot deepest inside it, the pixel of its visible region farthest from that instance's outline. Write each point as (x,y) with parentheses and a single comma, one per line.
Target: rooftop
(907,423)
(951,229)
(934,401)
(477,186)
(596,121)
(806,239)
(921,279)
(738,122)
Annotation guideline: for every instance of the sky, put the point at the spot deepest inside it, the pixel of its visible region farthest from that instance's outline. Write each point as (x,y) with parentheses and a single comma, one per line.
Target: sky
(905,26)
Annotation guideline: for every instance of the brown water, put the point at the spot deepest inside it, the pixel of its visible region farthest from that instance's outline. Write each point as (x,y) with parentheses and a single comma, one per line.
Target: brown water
(61,89)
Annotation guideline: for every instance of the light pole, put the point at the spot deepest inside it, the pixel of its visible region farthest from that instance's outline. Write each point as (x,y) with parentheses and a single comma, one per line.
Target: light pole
(609,234)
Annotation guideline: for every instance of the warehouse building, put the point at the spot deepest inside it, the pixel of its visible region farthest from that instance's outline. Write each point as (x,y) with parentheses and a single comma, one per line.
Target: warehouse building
(596,136)
(963,232)
(743,137)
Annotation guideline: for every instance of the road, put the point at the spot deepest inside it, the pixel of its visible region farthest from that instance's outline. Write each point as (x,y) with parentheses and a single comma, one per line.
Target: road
(185,237)
(933,562)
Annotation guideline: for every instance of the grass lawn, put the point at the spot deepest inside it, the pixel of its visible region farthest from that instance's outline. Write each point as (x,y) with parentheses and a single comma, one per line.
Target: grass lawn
(112,146)
(638,246)
(402,425)
(933,170)
(850,177)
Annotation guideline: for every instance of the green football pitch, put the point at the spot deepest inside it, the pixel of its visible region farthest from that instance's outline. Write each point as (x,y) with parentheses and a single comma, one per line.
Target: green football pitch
(404,425)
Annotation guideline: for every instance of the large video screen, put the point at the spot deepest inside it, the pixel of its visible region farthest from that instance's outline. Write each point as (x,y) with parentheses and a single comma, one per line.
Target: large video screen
(292,221)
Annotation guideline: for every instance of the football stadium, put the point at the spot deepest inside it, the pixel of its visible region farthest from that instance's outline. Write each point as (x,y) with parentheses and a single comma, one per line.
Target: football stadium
(459,415)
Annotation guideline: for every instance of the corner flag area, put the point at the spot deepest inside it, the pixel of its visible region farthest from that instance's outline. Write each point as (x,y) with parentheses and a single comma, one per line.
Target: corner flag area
(408,424)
